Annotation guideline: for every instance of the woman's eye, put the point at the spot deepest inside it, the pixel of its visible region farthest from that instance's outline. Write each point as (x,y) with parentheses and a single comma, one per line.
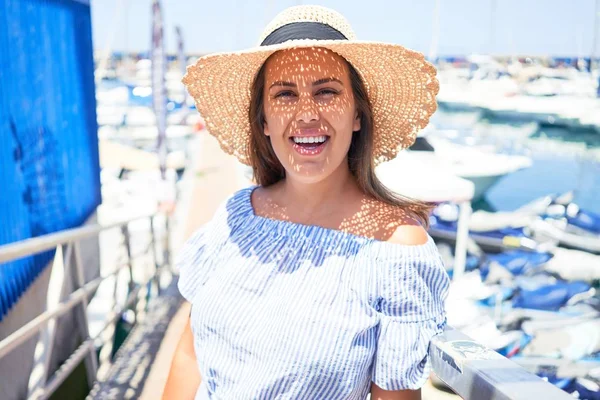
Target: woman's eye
(284,94)
(327,92)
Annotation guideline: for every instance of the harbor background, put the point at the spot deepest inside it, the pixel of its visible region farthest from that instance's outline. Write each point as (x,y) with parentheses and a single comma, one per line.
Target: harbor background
(519,92)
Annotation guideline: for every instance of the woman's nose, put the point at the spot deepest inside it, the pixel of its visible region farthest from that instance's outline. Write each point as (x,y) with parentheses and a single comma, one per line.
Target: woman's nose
(308,111)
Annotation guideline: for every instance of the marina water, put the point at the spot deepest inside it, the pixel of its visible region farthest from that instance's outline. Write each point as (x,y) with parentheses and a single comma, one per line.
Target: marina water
(563,160)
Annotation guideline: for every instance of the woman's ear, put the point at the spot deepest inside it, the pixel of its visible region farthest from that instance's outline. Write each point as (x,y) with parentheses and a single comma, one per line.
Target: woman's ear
(356,123)
(265,128)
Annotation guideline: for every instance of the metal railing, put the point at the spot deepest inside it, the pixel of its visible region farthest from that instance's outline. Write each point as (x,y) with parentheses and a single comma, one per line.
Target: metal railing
(69,243)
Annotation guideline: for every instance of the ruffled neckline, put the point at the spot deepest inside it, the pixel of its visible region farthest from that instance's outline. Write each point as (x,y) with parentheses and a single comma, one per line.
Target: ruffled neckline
(318,233)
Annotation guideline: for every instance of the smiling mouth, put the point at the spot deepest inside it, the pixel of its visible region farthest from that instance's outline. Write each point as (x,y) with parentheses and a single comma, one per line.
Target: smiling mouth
(309,145)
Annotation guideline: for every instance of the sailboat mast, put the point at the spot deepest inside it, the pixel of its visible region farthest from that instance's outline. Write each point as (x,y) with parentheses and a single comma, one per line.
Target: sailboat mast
(594,56)
(182,62)
(159,88)
(492,27)
(435,32)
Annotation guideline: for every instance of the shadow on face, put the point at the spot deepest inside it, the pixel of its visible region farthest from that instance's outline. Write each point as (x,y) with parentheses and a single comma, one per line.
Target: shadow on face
(309,112)
(303,126)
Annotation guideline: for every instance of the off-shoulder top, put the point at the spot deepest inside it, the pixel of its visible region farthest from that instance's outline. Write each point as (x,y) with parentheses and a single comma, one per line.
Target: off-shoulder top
(282,310)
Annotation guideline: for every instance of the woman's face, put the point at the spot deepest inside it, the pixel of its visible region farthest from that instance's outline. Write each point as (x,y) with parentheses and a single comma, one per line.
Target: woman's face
(309,112)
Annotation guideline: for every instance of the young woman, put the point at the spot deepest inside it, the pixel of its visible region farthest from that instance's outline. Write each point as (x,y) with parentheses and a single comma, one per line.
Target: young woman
(318,283)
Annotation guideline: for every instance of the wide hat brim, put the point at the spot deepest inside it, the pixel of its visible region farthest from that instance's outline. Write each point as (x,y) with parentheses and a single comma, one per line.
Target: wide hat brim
(400,83)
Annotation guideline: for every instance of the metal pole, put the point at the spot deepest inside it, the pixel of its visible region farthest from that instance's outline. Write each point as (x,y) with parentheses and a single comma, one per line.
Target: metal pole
(91,363)
(127,243)
(492,27)
(166,243)
(154,256)
(106,334)
(46,338)
(435,32)
(462,237)
(594,56)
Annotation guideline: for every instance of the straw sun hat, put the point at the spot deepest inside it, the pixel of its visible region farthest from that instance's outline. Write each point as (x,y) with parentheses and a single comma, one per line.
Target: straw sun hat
(400,83)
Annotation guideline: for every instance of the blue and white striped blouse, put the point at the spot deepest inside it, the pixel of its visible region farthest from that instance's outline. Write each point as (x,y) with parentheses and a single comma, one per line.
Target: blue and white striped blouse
(282,310)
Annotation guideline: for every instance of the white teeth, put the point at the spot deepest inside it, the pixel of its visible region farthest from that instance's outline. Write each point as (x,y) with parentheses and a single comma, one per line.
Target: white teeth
(312,139)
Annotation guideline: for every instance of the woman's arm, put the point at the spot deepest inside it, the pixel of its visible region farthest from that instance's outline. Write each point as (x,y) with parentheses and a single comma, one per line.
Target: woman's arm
(410,234)
(184,377)
(378,393)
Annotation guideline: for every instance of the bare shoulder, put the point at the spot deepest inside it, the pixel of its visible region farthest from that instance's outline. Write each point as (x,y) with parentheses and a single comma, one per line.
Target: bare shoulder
(396,225)
(413,235)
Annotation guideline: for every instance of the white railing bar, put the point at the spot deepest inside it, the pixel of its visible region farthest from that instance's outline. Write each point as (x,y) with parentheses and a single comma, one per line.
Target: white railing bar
(27,247)
(32,327)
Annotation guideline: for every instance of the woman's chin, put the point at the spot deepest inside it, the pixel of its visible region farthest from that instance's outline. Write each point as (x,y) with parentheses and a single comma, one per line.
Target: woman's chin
(310,169)
(309,172)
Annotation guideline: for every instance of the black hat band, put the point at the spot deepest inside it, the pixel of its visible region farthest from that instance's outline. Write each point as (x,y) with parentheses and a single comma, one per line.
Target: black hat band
(303,30)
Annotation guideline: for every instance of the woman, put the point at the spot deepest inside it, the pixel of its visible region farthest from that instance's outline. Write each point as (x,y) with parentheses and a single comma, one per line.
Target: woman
(318,283)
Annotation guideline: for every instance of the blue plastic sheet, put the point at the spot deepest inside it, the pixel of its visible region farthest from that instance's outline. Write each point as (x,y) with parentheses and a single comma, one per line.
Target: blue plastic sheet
(49,169)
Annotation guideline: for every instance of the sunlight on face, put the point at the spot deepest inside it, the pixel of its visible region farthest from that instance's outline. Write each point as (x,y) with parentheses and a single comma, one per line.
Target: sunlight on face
(309,112)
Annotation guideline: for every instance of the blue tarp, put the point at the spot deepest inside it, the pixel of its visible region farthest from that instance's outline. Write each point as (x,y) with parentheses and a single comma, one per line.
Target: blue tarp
(549,297)
(49,169)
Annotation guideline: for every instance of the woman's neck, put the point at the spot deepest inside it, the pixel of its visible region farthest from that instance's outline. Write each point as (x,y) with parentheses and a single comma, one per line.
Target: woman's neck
(320,197)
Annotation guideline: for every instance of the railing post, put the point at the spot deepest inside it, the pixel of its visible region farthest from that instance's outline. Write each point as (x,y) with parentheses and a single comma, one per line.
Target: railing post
(157,268)
(166,244)
(462,236)
(46,337)
(127,244)
(91,361)
(66,256)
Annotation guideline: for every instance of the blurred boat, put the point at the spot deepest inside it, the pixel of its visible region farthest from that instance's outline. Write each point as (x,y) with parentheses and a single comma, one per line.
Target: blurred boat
(536,319)
(425,166)
(544,222)
(482,167)
(527,92)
